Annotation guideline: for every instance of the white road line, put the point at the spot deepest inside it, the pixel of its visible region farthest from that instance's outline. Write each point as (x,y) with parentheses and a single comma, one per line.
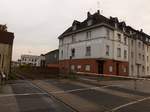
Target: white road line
(35,86)
(128,104)
(82,89)
(26,94)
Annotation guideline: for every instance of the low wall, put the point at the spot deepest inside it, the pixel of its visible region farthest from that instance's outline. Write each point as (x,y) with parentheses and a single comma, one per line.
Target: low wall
(38,72)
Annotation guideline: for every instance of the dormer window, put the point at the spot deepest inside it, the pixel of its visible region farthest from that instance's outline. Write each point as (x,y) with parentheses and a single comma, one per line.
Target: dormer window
(89,23)
(74,27)
(75,24)
(131,32)
(124,30)
(116,25)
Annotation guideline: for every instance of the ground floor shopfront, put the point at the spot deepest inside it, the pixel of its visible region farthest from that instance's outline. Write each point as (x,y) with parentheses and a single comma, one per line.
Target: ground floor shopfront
(100,66)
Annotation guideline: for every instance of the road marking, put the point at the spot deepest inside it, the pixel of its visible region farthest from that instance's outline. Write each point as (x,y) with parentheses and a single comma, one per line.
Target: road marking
(128,104)
(82,89)
(35,86)
(26,94)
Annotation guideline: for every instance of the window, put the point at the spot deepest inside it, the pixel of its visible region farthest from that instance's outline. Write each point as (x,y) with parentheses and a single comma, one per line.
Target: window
(107,50)
(143,69)
(118,52)
(73,38)
(147,48)
(108,33)
(124,69)
(89,23)
(132,69)
(61,41)
(147,59)
(119,37)
(72,67)
(55,55)
(139,55)
(125,54)
(132,42)
(125,40)
(148,69)
(88,51)
(79,66)
(143,57)
(73,52)
(139,44)
(88,35)
(74,27)
(110,69)
(62,54)
(143,46)
(87,68)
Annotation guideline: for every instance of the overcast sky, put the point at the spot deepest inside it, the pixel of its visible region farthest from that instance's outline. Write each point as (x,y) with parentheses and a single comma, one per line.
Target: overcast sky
(38,23)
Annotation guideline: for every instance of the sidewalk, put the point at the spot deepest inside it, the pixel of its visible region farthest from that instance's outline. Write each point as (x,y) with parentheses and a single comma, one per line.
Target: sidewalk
(7,103)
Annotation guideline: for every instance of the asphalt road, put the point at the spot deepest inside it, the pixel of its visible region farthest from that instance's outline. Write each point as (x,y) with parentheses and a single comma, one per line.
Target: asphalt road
(22,96)
(121,98)
(118,96)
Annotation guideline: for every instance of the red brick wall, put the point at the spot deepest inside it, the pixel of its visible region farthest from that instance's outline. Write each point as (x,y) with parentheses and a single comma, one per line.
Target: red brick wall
(113,63)
(64,66)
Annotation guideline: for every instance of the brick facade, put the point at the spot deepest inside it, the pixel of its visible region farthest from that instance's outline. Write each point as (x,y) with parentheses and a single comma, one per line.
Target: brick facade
(111,67)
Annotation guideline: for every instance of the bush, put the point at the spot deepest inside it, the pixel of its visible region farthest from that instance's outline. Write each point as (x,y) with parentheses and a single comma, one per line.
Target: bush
(12,76)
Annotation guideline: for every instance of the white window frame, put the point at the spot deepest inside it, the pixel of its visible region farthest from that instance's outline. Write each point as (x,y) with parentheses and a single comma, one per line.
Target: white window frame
(88,68)
(110,68)
(118,52)
(88,51)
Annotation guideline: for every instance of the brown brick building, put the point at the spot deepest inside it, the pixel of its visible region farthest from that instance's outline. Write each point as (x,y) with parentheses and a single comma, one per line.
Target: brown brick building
(6,45)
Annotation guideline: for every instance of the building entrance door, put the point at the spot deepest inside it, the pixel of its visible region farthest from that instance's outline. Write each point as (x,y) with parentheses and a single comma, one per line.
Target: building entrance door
(100,67)
(117,69)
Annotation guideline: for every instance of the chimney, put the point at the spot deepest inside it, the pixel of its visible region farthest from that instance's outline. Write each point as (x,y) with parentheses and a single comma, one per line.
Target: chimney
(98,11)
(88,14)
(141,30)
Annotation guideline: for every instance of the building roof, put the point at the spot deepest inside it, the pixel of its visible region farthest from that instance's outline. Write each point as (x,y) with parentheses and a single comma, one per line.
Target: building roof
(98,19)
(56,50)
(6,37)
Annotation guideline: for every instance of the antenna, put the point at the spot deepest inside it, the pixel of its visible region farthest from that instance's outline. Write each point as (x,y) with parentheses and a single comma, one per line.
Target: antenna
(98,4)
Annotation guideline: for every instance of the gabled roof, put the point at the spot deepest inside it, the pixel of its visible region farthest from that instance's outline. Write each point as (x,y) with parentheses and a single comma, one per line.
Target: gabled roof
(97,19)
(56,50)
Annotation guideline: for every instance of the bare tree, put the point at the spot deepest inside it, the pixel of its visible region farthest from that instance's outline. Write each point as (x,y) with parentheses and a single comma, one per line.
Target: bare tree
(3,28)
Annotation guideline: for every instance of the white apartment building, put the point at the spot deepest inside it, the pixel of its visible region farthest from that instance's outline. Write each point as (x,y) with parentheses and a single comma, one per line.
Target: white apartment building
(102,45)
(32,60)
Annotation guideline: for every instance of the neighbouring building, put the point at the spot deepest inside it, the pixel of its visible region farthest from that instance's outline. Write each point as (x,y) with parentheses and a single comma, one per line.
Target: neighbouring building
(105,46)
(15,64)
(6,45)
(33,60)
(52,58)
